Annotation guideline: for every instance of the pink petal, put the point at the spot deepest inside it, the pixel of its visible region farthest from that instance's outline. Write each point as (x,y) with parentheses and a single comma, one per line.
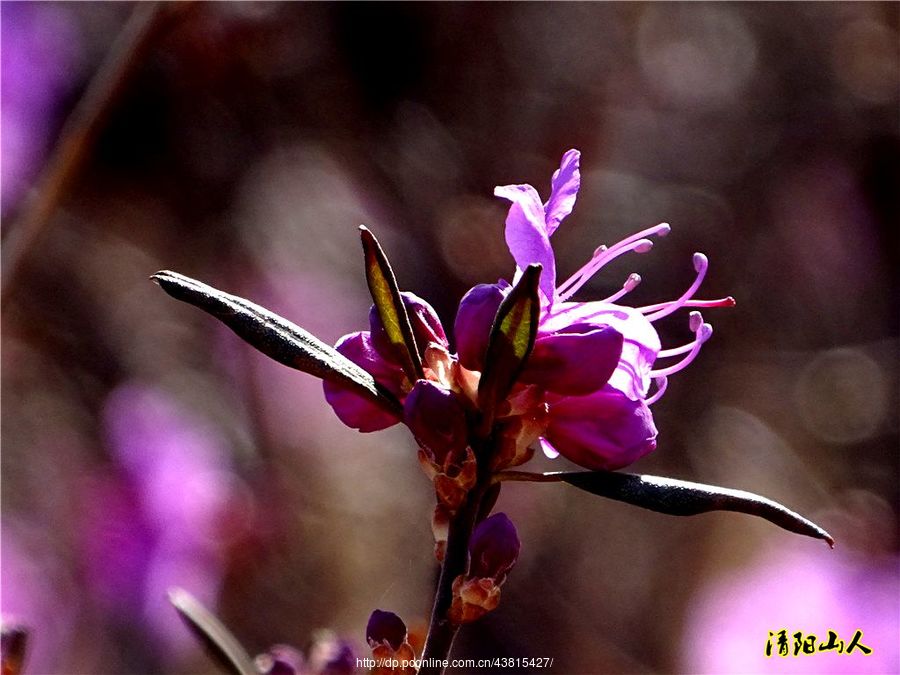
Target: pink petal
(526,232)
(352,409)
(564,189)
(575,362)
(639,349)
(605,430)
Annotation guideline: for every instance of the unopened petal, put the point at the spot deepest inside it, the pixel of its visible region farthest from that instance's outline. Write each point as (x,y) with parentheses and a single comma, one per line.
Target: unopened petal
(385,627)
(605,430)
(425,324)
(436,418)
(352,409)
(474,319)
(494,548)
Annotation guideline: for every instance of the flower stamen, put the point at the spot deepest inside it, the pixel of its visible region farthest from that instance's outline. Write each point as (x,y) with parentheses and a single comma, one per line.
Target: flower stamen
(630,284)
(701,264)
(727,301)
(637,242)
(589,270)
(661,384)
(702,333)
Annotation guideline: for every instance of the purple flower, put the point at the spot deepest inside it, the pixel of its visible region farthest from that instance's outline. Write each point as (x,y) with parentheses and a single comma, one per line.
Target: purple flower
(585,390)
(731,615)
(595,360)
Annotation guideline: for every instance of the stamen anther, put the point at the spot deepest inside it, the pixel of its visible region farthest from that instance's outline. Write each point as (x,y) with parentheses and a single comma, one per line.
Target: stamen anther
(695,321)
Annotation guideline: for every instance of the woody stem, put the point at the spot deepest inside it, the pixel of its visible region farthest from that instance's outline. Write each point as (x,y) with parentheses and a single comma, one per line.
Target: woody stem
(442,631)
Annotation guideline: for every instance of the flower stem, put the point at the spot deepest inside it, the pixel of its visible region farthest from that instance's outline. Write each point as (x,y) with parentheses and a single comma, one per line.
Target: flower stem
(527,476)
(442,631)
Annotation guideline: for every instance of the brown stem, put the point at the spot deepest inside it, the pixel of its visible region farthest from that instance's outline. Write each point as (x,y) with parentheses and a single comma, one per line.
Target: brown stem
(78,134)
(526,476)
(442,631)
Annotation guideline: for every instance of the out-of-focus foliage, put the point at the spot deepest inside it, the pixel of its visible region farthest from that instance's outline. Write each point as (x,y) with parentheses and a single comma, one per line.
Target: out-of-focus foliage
(145,446)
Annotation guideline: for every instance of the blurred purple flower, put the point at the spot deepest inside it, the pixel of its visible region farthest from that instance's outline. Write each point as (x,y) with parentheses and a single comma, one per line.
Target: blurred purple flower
(158,520)
(330,654)
(731,617)
(40,51)
(594,359)
(280,660)
(36,593)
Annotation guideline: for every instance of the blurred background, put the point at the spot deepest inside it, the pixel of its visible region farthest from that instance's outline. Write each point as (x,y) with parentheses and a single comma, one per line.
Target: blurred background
(145,446)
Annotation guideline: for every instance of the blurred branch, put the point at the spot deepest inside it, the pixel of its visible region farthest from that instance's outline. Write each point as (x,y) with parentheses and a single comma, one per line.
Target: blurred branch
(79,132)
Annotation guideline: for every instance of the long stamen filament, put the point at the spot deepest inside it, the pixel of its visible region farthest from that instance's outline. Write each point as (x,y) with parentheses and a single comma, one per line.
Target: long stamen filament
(701,264)
(630,284)
(598,253)
(675,351)
(719,302)
(703,333)
(589,270)
(661,384)
(603,255)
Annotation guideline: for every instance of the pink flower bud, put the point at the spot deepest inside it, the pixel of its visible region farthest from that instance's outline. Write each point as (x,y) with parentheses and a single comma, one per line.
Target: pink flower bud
(424,321)
(437,420)
(473,323)
(493,548)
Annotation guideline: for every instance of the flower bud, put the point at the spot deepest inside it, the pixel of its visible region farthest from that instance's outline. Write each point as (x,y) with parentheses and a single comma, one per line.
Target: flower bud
(426,327)
(474,319)
(385,628)
(387,636)
(437,420)
(493,548)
